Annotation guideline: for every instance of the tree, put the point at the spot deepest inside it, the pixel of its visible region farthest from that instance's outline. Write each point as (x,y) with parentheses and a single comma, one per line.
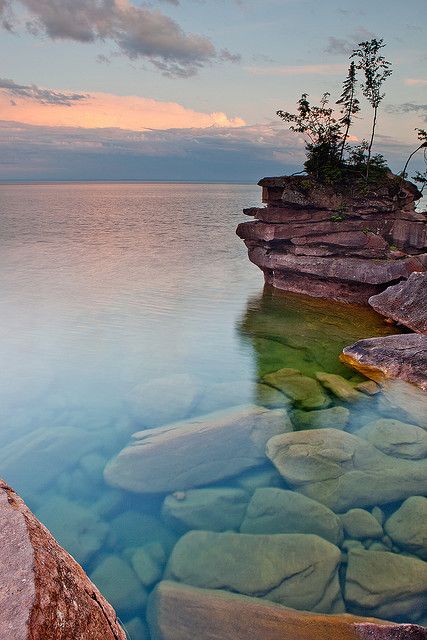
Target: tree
(422,137)
(376,69)
(323,131)
(350,104)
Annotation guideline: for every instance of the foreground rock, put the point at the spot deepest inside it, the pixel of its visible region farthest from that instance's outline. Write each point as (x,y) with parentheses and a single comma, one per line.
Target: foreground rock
(337,244)
(296,570)
(386,584)
(181,612)
(44,593)
(407,527)
(402,356)
(343,471)
(274,510)
(196,452)
(405,302)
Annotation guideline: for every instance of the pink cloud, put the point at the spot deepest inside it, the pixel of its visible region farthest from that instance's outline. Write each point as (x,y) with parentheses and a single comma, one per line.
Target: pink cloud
(413,82)
(104,110)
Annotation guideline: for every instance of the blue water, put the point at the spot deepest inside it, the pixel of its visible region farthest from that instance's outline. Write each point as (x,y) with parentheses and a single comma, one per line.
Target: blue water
(107,287)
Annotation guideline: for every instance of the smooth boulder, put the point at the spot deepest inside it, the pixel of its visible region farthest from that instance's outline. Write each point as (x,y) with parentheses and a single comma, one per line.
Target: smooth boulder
(396,438)
(213,509)
(274,510)
(407,526)
(386,584)
(296,570)
(196,452)
(343,471)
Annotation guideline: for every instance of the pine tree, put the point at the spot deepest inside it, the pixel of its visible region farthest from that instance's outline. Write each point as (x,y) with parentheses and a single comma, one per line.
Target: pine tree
(350,104)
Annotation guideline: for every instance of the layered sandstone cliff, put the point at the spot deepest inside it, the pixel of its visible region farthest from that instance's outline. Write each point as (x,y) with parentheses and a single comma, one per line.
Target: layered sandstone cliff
(343,245)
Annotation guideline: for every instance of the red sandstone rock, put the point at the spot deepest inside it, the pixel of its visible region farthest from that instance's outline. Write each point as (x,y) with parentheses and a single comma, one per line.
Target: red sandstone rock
(180,612)
(405,302)
(44,593)
(401,356)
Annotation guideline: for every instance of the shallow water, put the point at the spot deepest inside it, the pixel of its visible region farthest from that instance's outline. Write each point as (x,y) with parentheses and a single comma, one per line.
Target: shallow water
(130,306)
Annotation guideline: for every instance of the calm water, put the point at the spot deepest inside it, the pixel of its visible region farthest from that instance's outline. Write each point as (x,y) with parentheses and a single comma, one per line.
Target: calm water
(129,306)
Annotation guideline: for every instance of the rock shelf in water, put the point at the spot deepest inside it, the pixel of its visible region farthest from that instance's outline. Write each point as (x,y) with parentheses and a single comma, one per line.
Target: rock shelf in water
(315,240)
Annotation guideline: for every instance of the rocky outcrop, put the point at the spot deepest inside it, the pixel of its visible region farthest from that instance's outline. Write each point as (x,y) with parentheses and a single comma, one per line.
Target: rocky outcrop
(344,245)
(44,593)
(181,612)
(405,302)
(343,471)
(402,356)
(196,452)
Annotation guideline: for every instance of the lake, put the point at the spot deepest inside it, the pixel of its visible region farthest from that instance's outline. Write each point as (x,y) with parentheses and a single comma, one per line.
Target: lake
(130,306)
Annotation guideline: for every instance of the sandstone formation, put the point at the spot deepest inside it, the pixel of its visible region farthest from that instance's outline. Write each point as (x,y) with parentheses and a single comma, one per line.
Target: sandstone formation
(274,510)
(44,593)
(196,452)
(402,356)
(405,302)
(343,471)
(181,612)
(340,245)
(297,570)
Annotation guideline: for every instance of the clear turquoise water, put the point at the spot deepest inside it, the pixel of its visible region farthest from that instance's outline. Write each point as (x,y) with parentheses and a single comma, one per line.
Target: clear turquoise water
(105,287)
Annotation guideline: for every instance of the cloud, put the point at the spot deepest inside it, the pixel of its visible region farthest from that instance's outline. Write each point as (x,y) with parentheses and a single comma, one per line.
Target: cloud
(415,82)
(138,31)
(99,110)
(298,70)
(408,107)
(338,46)
(38,95)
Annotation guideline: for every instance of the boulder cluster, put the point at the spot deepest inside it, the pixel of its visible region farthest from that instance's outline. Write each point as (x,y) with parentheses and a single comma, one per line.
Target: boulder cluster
(344,245)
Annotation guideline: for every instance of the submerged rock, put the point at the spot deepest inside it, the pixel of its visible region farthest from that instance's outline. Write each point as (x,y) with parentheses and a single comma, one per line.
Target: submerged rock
(180,612)
(79,529)
(333,418)
(163,400)
(216,509)
(339,386)
(133,529)
(278,511)
(305,391)
(407,527)
(402,356)
(361,524)
(44,592)
(120,584)
(297,570)
(398,399)
(343,471)
(386,585)
(396,438)
(267,396)
(196,452)
(405,302)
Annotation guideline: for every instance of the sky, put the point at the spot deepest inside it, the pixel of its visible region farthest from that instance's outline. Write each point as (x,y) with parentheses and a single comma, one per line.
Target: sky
(189,89)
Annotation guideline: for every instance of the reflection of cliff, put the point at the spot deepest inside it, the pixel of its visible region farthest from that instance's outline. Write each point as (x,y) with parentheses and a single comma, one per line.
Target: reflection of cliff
(289,330)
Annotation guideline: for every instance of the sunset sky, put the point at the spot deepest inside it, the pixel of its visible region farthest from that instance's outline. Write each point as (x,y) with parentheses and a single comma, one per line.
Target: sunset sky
(188,89)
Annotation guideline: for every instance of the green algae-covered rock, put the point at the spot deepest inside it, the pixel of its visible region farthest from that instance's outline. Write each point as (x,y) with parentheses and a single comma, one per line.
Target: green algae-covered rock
(213,509)
(304,391)
(297,570)
(267,396)
(278,511)
(339,386)
(333,418)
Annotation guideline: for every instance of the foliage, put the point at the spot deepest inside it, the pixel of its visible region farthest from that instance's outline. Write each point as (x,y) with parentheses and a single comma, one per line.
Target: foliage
(376,69)
(419,177)
(330,158)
